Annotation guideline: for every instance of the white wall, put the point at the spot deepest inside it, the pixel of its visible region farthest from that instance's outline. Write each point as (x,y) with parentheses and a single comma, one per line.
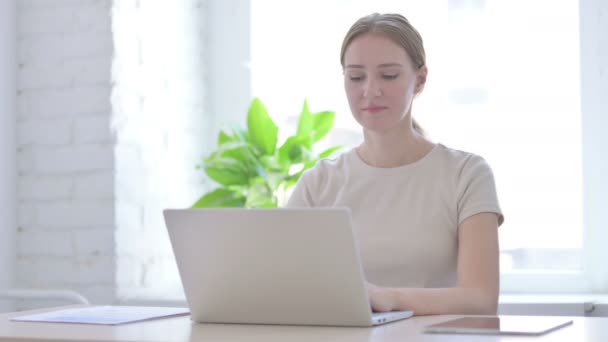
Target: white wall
(102,153)
(594,109)
(228,59)
(111,118)
(65,148)
(8,208)
(160,118)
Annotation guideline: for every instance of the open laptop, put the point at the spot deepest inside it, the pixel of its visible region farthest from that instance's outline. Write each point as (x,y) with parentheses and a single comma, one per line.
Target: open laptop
(272,266)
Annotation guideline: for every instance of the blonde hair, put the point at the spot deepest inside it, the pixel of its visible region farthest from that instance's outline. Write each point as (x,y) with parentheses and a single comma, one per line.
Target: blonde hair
(397,28)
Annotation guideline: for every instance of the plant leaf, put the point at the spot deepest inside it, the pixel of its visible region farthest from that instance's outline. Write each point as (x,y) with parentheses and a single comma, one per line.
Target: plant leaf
(227,171)
(240,151)
(259,196)
(241,135)
(305,123)
(270,163)
(291,150)
(274,180)
(224,138)
(328,152)
(322,124)
(262,130)
(220,198)
(293,179)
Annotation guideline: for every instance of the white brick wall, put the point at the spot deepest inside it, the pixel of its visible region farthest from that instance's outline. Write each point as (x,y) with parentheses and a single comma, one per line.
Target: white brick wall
(62,102)
(33,188)
(89,71)
(158,115)
(8,148)
(44,160)
(110,125)
(66,218)
(94,185)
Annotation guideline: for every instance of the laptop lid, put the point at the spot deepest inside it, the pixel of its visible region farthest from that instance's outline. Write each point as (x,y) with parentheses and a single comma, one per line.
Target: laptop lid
(270,266)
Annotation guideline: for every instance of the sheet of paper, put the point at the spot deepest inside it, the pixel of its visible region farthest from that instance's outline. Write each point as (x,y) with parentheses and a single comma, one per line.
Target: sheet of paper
(105,315)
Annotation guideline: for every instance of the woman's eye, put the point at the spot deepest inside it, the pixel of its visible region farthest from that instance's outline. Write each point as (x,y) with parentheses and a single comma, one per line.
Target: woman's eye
(356,78)
(390,77)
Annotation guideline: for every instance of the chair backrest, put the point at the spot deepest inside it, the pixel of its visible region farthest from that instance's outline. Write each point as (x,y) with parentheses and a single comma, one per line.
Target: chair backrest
(68,296)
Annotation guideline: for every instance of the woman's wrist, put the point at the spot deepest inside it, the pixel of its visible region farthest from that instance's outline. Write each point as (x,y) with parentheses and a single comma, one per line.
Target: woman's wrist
(395,296)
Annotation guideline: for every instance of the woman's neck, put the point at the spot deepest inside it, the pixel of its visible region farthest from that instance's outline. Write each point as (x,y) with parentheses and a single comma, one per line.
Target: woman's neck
(393,148)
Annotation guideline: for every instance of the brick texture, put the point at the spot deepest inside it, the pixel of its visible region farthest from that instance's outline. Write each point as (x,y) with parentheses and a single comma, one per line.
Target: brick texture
(65,156)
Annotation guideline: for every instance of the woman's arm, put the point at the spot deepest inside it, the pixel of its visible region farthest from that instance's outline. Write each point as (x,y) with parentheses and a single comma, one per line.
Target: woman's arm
(478,277)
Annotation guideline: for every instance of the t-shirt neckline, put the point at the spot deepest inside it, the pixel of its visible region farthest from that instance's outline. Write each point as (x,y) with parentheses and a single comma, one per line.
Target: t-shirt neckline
(362,165)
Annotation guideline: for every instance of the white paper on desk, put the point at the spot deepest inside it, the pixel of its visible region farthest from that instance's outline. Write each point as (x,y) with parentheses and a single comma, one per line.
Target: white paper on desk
(105,315)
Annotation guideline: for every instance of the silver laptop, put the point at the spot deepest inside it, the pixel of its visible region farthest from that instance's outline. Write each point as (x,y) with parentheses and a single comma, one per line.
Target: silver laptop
(272,266)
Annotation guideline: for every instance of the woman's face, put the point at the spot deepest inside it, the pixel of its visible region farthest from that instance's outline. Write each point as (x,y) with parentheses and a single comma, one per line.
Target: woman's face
(380,82)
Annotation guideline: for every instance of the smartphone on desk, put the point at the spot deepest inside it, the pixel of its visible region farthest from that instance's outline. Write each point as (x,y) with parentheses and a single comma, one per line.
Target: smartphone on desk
(499,325)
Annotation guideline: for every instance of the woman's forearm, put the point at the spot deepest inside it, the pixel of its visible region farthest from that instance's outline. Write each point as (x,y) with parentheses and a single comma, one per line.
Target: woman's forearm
(439,301)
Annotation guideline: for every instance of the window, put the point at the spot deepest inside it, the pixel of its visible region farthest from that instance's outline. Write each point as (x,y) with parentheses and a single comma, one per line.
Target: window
(504,82)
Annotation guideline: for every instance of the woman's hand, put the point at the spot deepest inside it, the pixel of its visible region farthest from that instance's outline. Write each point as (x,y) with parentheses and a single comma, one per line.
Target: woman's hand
(381,299)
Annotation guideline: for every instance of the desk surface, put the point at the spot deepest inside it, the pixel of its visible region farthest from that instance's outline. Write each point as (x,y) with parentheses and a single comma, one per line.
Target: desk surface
(182,329)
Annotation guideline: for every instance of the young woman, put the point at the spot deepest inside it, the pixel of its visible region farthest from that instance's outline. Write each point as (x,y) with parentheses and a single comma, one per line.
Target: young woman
(426,216)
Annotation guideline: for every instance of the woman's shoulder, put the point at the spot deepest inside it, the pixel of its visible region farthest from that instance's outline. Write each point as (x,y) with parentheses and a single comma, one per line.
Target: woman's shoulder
(329,167)
(315,180)
(459,158)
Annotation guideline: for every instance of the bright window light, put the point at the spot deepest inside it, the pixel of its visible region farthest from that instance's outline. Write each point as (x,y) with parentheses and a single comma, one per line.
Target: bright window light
(502,83)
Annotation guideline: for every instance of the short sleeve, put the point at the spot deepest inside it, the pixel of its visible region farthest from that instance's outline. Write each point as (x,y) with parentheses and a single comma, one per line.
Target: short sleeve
(477,190)
(301,195)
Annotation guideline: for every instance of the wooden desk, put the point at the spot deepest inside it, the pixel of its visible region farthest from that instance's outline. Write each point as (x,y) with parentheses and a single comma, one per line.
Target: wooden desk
(182,329)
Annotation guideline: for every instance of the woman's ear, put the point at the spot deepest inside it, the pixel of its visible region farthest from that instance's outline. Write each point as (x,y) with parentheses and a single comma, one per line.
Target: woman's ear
(421,79)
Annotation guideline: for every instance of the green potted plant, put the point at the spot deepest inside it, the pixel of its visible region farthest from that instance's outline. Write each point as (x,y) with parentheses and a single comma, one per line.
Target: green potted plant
(252,170)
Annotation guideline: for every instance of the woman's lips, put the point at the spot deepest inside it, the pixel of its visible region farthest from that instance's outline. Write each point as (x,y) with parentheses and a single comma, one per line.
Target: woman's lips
(374,109)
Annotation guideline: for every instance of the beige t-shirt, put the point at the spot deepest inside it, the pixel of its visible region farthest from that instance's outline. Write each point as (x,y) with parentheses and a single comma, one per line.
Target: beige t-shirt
(405,218)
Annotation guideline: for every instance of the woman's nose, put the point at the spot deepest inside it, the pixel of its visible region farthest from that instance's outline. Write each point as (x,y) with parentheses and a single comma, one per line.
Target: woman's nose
(371,89)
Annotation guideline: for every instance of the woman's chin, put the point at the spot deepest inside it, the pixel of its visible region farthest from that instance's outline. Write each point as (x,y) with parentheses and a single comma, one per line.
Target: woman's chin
(378,126)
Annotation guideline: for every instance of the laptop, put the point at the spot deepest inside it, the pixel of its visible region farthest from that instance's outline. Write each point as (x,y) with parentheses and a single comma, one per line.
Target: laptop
(272,266)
